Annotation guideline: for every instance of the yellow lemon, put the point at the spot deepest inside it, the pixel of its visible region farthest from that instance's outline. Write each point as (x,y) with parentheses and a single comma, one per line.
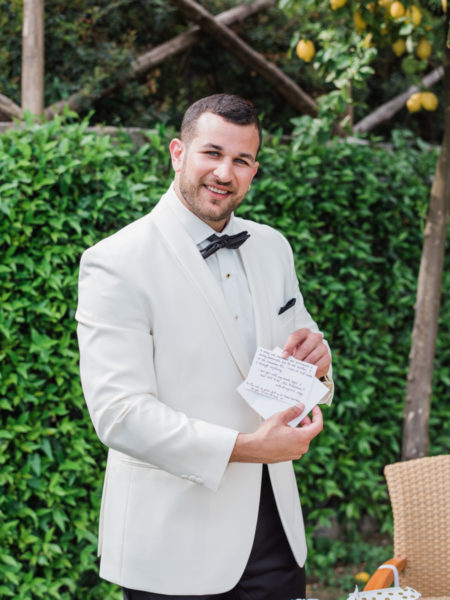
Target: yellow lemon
(335,4)
(359,22)
(413,14)
(397,10)
(371,7)
(414,102)
(444,6)
(385,3)
(423,49)
(399,47)
(429,100)
(305,50)
(362,577)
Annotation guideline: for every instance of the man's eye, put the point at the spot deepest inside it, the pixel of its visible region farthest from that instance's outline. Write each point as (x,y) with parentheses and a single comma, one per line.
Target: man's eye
(241,161)
(212,153)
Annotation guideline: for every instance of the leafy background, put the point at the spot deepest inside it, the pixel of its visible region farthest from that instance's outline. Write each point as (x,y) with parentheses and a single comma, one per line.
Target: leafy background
(89,43)
(357,235)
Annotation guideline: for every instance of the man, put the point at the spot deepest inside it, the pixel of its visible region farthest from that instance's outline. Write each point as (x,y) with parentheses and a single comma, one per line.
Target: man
(169,320)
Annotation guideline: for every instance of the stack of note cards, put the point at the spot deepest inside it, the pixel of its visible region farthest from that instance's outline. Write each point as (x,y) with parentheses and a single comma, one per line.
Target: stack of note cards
(275,383)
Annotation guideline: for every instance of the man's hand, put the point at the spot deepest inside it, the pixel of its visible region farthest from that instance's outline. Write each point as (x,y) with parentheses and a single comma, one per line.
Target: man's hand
(275,440)
(305,345)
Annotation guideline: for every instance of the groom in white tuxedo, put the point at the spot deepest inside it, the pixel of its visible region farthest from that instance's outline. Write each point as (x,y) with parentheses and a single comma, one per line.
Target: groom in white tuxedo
(200,498)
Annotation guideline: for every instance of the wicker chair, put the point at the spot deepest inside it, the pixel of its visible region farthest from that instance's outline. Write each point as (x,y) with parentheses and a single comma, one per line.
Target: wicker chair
(420,497)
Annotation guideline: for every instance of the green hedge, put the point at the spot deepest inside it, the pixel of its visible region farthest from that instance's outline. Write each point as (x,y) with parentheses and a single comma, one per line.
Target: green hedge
(354,216)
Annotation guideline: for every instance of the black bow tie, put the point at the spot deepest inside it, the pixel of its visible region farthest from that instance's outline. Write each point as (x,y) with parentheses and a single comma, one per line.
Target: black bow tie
(224,241)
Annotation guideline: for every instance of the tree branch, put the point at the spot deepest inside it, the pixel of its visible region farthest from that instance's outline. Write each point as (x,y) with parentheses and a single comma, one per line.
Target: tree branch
(429,288)
(10,108)
(387,111)
(149,60)
(255,61)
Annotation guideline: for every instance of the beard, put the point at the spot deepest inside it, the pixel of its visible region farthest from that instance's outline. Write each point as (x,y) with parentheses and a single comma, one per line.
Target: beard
(206,208)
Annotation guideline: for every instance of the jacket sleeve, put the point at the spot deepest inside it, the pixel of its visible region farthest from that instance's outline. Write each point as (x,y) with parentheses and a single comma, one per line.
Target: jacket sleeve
(304,319)
(119,383)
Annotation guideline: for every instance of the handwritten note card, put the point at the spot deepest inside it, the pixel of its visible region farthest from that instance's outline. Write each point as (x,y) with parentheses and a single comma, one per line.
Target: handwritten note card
(286,380)
(275,383)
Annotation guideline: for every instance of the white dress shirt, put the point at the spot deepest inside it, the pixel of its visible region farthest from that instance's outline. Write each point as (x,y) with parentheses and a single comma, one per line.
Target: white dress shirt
(226,266)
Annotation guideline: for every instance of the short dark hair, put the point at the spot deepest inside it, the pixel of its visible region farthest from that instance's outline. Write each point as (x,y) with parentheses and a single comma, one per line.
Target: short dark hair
(230,107)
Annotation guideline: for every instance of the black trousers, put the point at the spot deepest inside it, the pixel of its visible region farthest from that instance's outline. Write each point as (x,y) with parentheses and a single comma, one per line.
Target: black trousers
(271,572)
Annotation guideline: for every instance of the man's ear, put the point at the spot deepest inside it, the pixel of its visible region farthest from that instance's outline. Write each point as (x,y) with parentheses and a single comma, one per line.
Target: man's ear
(176,148)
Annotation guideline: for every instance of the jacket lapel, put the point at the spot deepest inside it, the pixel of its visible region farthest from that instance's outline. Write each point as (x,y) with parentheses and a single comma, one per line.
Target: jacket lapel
(192,263)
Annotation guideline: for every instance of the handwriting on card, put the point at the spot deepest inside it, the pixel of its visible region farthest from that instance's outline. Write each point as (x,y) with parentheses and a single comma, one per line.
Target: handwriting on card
(287,380)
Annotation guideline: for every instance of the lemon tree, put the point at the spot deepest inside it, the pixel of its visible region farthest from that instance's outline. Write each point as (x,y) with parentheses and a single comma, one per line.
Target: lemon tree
(361,46)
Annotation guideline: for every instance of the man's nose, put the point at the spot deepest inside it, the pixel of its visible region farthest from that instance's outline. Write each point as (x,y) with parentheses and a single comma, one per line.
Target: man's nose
(224,170)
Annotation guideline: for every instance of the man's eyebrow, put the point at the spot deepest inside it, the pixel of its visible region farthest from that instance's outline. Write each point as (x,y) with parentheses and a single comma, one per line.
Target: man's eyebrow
(220,149)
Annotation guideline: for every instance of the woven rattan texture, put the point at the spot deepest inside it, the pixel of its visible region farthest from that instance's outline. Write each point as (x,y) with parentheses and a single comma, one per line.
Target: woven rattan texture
(420,498)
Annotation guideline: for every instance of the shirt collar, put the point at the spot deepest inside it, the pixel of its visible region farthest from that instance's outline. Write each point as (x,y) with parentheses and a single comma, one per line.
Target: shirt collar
(197,229)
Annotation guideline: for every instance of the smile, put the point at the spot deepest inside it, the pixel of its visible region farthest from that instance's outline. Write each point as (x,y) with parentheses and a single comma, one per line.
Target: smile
(216,190)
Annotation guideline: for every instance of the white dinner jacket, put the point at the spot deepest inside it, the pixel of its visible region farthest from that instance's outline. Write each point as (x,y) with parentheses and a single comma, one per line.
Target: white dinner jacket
(161,358)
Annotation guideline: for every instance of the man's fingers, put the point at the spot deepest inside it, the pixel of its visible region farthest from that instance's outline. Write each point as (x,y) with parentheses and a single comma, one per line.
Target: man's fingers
(323,365)
(301,343)
(308,346)
(296,338)
(321,358)
(314,357)
(317,422)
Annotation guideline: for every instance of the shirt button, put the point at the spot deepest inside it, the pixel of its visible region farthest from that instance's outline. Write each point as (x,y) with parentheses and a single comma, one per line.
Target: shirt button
(236,317)
(228,275)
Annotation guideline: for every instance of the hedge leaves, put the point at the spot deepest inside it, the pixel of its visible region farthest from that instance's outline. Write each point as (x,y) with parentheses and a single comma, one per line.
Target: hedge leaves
(354,216)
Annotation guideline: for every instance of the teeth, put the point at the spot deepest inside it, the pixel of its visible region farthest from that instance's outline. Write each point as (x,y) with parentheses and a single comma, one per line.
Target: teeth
(216,190)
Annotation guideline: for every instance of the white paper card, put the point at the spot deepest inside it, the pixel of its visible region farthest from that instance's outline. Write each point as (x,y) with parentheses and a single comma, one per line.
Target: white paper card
(275,383)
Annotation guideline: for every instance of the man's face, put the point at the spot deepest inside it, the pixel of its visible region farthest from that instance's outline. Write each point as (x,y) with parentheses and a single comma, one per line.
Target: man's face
(214,169)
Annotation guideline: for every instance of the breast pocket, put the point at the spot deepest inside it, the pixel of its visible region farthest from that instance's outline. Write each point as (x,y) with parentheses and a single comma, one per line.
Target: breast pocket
(285,323)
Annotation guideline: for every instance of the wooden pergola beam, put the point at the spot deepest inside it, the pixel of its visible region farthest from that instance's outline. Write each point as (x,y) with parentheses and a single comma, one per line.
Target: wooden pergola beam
(255,61)
(33,56)
(386,111)
(154,57)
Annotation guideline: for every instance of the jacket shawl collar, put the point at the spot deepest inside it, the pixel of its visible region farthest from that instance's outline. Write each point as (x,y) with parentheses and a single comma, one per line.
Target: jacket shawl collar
(192,263)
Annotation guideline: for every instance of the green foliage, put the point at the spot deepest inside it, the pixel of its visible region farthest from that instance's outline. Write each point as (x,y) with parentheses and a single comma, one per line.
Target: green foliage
(60,191)
(354,216)
(356,59)
(89,43)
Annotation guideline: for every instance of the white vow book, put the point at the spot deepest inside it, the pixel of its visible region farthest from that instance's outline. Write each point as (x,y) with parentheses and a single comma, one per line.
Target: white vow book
(274,384)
